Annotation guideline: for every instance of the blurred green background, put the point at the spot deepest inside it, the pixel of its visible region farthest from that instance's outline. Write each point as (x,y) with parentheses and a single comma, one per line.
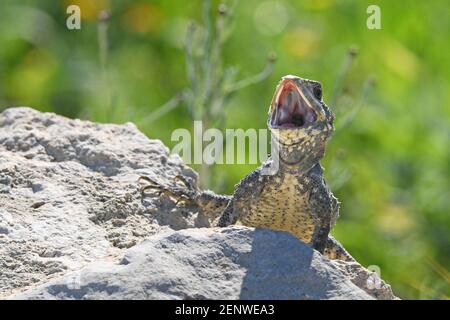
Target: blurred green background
(390,166)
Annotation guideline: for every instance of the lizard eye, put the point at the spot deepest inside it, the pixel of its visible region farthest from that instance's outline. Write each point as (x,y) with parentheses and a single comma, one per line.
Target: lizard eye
(317,91)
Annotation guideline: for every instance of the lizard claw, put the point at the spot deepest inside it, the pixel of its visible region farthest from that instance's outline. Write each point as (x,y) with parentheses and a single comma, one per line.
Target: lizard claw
(150,184)
(178,194)
(188,182)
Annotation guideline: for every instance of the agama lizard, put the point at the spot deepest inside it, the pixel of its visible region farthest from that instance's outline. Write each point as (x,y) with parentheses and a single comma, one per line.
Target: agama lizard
(288,192)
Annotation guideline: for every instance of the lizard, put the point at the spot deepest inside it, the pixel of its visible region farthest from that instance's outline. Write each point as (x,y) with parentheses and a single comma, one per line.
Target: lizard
(288,191)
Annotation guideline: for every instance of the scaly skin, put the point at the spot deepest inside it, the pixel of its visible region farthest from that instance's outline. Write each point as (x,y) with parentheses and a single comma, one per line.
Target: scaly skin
(288,192)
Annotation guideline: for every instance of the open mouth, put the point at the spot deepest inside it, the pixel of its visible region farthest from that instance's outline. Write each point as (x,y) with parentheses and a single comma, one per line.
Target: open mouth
(289,109)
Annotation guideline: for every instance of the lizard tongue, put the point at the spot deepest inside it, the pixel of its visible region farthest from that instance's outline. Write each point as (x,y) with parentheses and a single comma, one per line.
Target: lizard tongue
(289,111)
(292,111)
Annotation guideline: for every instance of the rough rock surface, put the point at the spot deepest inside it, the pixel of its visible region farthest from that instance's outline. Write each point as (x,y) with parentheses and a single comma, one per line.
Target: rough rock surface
(209,263)
(73,225)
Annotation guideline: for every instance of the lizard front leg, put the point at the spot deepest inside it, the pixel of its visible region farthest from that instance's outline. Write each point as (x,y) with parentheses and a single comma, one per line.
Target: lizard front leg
(209,203)
(324,208)
(245,191)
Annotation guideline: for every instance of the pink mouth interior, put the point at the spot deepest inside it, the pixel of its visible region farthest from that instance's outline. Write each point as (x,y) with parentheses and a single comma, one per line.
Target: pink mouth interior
(291,111)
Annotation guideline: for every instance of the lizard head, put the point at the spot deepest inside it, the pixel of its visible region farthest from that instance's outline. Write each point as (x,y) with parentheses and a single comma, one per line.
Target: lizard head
(299,120)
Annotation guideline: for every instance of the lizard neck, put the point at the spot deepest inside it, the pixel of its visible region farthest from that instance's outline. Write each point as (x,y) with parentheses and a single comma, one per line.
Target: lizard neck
(299,168)
(298,160)
(303,168)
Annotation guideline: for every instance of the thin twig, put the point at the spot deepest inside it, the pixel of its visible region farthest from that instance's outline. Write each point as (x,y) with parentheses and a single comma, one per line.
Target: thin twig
(214,69)
(207,24)
(103,44)
(255,78)
(368,84)
(190,66)
(339,84)
(165,108)
(191,71)
(102,34)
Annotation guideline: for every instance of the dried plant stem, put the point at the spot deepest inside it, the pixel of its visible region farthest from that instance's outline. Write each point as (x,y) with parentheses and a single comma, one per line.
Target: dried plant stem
(253,79)
(348,118)
(343,71)
(103,47)
(162,110)
(210,84)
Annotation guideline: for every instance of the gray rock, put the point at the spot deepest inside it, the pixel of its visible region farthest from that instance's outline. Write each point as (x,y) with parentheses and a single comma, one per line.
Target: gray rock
(73,225)
(229,263)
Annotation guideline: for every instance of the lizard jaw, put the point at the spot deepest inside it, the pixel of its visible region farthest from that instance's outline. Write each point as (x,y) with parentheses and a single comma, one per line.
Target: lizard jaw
(290,108)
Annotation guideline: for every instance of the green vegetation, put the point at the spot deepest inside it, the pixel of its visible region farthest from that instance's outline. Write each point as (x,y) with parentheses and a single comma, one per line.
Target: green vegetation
(389,161)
